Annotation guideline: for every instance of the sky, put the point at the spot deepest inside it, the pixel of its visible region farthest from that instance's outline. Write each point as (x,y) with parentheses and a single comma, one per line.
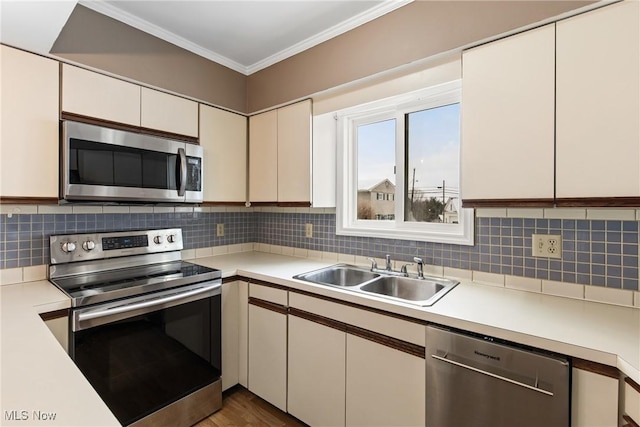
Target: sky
(434,150)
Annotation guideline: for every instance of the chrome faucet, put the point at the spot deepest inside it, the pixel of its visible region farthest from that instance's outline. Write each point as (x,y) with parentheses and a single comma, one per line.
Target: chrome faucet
(388,270)
(388,262)
(420,267)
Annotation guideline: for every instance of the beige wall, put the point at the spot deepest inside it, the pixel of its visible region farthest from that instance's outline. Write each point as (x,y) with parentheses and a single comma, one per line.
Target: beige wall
(405,36)
(416,31)
(101,42)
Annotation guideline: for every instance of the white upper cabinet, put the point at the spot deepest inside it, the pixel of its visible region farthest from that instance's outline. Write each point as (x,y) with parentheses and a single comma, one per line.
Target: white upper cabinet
(508,118)
(223,136)
(95,95)
(294,152)
(263,157)
(598,103)
(324,161)
(168,113)
(28,125)
(280,154)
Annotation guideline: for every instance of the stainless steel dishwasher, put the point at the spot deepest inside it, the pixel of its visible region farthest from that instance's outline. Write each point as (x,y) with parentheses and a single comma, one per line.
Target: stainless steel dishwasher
(477,381)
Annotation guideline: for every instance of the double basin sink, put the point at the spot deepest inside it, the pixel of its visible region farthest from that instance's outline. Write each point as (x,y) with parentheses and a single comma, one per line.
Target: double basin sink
(423,292)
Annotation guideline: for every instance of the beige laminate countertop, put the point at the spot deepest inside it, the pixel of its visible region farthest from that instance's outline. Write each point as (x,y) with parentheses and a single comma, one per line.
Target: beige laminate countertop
(37,375)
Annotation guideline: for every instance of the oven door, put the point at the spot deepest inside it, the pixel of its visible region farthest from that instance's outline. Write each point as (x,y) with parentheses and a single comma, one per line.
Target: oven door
(143,354)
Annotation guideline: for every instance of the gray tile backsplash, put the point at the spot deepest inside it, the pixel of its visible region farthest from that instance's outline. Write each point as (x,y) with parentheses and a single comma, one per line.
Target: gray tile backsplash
(594,252)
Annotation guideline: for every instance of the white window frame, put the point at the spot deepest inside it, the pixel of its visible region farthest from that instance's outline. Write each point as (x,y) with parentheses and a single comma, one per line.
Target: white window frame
(395,107)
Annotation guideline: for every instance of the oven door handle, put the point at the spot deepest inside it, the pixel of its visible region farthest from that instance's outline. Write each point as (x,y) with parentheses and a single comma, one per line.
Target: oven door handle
(100,316)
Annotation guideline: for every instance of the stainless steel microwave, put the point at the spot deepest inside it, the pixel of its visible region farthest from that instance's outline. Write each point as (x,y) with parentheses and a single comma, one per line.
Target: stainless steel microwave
(101,164)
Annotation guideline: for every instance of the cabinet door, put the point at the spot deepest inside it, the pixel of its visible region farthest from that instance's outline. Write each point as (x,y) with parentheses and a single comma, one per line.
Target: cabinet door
(294,152)
(268,355)
(230,334)
(631,403)
(316,383)
(594,399)
(598,103)
(95,95)
(28,125)
(324,161)
(223,136)
(507,145)
(385,387)
(169,113)
(263,157)
(243,334)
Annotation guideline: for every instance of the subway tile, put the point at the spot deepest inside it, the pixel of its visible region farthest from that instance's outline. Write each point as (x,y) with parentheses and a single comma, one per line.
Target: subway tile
(525,213)
(54,209)
(18,209)
(34,272)
(86,209)
(488,278)
(610,296)
(569,290)
(9,276)
(523,283)
(116,209)
(491,213)
(565,213)
(611,214)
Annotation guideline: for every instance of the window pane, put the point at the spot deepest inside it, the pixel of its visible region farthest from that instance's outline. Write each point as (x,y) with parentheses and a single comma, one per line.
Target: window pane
(376,176)
(432,172)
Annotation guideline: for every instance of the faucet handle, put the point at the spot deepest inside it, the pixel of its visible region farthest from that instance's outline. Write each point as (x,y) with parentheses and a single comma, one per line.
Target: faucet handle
(374,264)
(403,270)
(418,260)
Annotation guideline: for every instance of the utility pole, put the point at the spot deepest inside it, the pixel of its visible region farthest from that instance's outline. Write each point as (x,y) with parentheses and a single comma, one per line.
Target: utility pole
(413,187)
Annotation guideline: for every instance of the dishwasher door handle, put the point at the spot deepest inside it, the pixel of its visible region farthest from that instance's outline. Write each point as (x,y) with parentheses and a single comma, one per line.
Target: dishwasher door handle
(490,374)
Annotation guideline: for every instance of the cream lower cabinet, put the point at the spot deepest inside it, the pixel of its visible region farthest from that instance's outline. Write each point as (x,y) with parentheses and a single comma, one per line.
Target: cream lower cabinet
(594,399)
(316,384)
(230,334)
(631,402)
(342,375)
(267,372)
(28,125)
(385,386)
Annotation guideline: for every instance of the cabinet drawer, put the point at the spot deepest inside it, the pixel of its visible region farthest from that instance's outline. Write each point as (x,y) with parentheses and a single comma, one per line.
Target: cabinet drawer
(385,325)
(266,293)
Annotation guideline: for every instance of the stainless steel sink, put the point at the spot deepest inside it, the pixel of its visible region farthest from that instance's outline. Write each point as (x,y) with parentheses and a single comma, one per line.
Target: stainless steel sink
(339,275)
(423,292)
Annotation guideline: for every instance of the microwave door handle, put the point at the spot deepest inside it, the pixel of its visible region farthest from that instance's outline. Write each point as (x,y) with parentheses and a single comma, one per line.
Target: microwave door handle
(183,171)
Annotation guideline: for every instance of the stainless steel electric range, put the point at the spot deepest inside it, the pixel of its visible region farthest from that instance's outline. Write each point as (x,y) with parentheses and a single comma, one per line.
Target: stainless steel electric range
(145,326)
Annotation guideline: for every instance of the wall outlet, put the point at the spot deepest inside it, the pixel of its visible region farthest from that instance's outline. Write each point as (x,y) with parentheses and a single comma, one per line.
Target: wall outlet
(547,245)
(308,231)
(220,230)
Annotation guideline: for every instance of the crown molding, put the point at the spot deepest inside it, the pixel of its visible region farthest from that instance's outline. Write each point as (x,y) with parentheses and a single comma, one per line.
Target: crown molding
(146,26)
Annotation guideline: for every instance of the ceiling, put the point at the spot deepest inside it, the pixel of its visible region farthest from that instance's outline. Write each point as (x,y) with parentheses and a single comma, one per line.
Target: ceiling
(246,35)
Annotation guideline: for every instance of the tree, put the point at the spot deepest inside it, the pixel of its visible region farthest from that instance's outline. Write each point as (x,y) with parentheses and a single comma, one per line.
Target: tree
(365,211)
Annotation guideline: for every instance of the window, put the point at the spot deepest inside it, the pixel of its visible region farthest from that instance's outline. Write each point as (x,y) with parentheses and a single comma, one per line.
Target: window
(399,168)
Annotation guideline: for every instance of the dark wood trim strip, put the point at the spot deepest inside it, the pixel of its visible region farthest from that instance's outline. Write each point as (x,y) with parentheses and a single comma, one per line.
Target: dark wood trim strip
(325,321)
(630,421)
(28,200)
(259,204)
(634,385)
(294,204)
(58,314)
(232,279)
(267,284)
(622,202)
(596,368)
(129,128)
(222,203)
(394,343)
(501,203)
(268,305)
(355,305)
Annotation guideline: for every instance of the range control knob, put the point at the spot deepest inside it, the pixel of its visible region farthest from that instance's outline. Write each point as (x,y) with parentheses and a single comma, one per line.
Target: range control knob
(68,247)
(171,238)
(89,245)
(157,240)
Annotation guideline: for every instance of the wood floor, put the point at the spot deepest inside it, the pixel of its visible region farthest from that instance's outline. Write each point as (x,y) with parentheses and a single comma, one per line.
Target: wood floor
(240,407)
